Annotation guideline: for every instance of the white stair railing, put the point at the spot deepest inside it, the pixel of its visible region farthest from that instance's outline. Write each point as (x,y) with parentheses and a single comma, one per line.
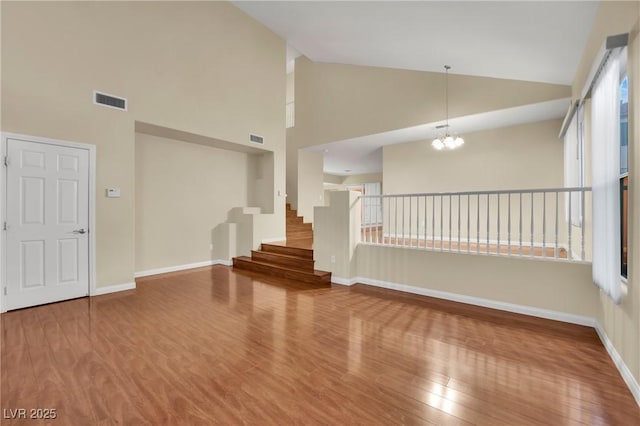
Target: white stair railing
(527,223)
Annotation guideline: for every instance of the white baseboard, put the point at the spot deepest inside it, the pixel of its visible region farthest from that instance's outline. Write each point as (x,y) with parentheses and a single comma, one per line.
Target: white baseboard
(343,281)
(624,371)
(471,300)
(273,240)
(182,267)
(477,301)
(114,288)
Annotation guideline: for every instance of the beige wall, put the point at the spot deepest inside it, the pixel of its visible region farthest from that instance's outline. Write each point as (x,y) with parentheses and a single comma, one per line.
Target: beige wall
(528,156)
(201,67)
(182,193)
(336,230)
(621,322)
(557,286)
(361,179)
(517,157)
(333,179)
(337,101)
(310,188)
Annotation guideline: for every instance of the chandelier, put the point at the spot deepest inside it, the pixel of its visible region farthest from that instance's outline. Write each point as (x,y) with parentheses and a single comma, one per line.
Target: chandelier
(447,140)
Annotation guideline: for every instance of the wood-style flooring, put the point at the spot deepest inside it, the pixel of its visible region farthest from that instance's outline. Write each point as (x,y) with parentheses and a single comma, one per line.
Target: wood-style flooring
(210,346)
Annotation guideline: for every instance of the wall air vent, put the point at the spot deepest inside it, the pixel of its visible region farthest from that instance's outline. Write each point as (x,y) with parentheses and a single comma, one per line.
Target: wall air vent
(256,139)
(110,101)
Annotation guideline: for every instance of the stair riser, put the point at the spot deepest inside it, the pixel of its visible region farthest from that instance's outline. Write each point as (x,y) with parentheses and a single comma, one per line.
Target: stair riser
(300,226)
(296,263)
(289,251)
(306,232)
(280,273)
(292,221)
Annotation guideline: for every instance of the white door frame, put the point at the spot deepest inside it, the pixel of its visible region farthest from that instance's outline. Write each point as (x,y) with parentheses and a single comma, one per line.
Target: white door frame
(3,205)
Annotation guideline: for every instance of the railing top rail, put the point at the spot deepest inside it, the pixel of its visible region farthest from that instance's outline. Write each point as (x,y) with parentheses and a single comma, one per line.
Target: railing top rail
(501,191)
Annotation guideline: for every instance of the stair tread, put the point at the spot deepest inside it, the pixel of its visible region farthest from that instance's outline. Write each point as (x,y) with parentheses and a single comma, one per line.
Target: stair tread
(289,261)
(274,248)
(287,256)
(315,272)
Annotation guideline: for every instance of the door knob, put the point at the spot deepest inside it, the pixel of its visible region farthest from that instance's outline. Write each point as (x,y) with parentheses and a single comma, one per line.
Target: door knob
(80,231)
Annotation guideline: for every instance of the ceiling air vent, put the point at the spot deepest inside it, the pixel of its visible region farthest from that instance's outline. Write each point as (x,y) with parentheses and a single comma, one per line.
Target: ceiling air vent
(256,139)
(109,101)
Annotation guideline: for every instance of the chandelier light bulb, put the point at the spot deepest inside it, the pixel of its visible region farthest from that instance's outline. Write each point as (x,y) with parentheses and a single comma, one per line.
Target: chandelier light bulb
(449,142)
(459,142)
(437,144)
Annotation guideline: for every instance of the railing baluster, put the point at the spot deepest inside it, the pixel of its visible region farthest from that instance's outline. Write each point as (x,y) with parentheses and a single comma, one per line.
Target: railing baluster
(498,226)
(396,233)
(433,222)
(488,221)
(459,210)
(468,223)
(441,223)
(544,224)
(582,255)
(449,222)
(478,224)
(555,248)
(509,224)
(410,239)
(388,222)
(403,229)
(367,220)
(569,228)
(531,253)
(418,222)
(520,227)
(425,222)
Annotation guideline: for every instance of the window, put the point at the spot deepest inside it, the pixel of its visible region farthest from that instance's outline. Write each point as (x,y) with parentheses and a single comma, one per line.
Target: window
(608,181)
(624,170)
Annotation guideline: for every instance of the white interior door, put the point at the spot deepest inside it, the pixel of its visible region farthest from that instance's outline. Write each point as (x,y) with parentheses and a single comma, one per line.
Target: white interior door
(47,244)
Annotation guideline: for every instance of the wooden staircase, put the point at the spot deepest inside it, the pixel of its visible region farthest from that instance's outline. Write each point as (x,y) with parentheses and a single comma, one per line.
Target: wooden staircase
(299,234)
(292,261)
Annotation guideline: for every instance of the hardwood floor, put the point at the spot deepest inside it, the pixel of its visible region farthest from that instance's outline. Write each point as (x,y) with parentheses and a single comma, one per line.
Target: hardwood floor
(210,346)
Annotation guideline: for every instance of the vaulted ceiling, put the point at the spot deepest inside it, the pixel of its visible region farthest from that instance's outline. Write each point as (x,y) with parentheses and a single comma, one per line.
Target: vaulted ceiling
(520,40)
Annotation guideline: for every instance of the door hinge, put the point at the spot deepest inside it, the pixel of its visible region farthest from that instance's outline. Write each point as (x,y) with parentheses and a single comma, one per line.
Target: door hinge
(6,160)
(5,290)
(4,226)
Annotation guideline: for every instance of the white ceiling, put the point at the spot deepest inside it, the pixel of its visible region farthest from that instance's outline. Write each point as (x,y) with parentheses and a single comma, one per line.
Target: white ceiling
(534,41)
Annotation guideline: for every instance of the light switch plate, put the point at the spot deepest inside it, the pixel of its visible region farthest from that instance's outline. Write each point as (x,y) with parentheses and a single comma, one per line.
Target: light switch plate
(113,192)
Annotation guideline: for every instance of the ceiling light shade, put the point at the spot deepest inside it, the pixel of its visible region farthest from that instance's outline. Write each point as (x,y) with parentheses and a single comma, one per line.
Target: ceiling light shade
(447,141)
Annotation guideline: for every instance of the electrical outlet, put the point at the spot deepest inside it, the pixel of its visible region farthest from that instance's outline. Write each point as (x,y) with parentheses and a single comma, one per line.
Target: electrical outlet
(211,246)
(333,259)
